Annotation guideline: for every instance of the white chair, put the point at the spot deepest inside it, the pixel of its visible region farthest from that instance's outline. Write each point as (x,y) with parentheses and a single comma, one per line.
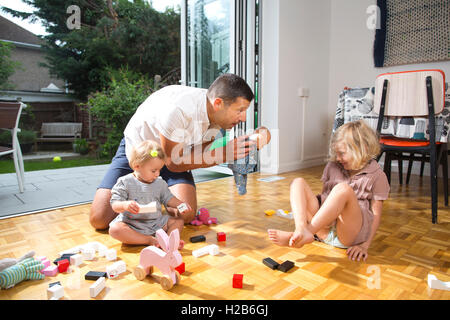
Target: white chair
(9,120)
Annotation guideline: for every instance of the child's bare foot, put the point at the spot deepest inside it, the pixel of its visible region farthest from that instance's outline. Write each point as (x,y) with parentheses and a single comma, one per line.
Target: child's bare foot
(300,238)
(153,242)
(279,237)
(181,245)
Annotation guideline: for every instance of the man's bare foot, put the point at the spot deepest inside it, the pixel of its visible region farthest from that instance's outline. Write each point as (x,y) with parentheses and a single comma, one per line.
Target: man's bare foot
(279,237)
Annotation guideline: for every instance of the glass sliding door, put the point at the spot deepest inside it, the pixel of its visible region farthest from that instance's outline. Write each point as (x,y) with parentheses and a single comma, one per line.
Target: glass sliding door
(208,29)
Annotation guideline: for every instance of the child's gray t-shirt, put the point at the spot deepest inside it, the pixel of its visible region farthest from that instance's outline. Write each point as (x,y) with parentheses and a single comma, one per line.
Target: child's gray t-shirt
(129,187)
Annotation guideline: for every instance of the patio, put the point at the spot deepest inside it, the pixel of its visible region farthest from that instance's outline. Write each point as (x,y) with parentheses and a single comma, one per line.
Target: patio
(52,189)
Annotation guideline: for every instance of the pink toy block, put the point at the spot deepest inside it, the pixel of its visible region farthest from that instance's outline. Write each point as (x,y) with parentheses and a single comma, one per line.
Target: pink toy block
(237,280)
(181,268)
(63,265)
(50,271)
(46,262)
(221,236)
(165,260)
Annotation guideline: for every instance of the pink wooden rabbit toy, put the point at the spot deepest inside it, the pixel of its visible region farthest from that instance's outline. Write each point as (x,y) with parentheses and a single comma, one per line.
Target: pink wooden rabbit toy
(166,261)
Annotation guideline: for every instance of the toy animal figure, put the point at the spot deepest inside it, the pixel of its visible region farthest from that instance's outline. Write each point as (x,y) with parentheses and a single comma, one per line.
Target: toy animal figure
(203,218)
(242,167)
(166,260)
(27,268)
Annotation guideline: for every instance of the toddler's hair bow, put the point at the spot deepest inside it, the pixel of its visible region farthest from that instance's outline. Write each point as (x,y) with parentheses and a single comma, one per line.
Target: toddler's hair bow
(154,153)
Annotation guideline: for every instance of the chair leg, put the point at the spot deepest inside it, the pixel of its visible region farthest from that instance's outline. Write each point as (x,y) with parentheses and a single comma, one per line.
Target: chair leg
(18,173)
(400,169)
(387,166)
(422,165)
(434,189)
(410,164)
(21,165)
(444,162)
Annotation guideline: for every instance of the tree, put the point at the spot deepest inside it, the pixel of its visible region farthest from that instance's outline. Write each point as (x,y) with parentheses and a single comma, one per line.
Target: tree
(7,66)
(112,34)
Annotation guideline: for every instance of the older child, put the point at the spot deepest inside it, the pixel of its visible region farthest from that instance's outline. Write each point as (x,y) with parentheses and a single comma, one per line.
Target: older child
(142,187)
(347,213)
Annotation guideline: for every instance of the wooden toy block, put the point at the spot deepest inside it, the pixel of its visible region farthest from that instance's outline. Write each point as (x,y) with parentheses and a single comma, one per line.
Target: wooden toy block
(284,214)
(115,269)
(435,283)
(46,263)
(97,287)
(237,280)
(88,254)
(54,283)
(221,236)
(212,249)
(286,266)
(55,292)
(76,259)
(111,254)
(165,259)
(74,250)
(272,264)
(181,268)
(182,208)
(63,265)
(94,275)
(199,238)
(269,212)
(148,208)
(65,256)
(50,271)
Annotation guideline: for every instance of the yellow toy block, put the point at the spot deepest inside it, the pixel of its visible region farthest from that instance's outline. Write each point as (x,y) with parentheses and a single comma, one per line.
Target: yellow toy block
(269,212)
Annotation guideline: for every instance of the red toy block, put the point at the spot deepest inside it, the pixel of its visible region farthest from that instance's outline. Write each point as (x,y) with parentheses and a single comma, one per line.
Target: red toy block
(221,236)
(237,280)
(63,265)
(181,268)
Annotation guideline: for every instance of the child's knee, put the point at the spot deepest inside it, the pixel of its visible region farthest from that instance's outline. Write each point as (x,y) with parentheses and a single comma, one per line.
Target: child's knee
(343,188)
(115,230)
(298,182)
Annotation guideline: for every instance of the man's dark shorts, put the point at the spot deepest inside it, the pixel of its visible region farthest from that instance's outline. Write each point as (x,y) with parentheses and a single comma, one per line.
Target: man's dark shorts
(119,167)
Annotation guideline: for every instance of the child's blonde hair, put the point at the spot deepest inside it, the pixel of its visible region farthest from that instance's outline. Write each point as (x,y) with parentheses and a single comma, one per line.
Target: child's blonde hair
(361,141)
(145,151)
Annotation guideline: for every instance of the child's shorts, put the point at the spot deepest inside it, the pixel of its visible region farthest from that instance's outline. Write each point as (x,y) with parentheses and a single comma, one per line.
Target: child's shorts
(332,238)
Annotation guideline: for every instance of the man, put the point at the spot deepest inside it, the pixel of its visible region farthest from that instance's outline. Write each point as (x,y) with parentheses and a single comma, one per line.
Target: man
(183,120)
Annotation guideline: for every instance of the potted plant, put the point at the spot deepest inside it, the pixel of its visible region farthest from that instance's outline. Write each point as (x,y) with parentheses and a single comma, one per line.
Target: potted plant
(26,139)
(81,146)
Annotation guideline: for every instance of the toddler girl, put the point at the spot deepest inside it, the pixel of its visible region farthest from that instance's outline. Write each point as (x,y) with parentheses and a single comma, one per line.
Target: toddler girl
(347,213)
(142,187)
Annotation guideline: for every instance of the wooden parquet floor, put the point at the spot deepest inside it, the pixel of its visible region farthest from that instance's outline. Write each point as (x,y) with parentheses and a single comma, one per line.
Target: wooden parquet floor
(406,249)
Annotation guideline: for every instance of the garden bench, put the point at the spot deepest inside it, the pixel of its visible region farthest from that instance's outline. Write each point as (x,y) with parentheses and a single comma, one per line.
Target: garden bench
(59,132)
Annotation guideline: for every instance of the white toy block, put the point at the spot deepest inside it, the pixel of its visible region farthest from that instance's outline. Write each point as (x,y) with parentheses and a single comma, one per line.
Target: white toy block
(212,249)
(148,208)
(253,137)
(182,207)
(55,292)
(435,283)
(71,251)
(111,254)
(283,214)
(115,269)
(76,259)
(97,287)
(88,254)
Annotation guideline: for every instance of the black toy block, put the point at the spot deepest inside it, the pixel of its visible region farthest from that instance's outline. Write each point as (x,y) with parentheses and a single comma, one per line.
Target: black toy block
(94,275)
(286,266)
(272,264)
(198,238)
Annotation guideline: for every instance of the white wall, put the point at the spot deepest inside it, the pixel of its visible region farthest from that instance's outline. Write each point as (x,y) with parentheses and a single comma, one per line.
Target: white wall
(321,45)
(295,54)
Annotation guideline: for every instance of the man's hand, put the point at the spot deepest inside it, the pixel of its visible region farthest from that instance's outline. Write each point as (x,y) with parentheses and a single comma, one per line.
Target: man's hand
(239,147)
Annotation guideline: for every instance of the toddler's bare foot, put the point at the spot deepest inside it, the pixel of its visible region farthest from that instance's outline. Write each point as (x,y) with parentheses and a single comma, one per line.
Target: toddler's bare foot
(153,242)
(181,245)
(279,237)
(300,238)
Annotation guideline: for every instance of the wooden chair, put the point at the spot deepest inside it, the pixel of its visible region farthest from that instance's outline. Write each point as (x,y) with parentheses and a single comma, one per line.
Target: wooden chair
(9,120)
(418,94)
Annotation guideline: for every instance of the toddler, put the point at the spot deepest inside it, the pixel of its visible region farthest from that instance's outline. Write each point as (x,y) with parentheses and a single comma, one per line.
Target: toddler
(142,187)
(347,213)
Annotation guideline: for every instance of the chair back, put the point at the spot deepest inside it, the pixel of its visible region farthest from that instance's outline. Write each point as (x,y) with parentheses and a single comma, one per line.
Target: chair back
(10,114)
(406,93)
